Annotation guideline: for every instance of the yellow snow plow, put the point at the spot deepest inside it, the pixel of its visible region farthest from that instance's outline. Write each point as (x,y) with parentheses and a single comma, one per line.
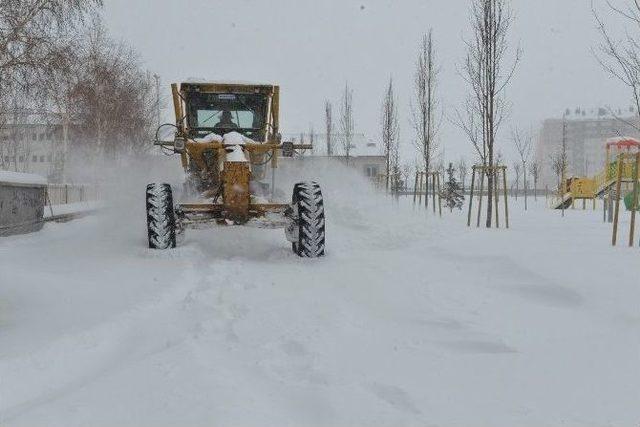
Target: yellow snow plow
(227,136)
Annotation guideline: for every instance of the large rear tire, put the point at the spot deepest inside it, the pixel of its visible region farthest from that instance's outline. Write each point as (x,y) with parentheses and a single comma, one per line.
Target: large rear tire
(307,230)
(161,218)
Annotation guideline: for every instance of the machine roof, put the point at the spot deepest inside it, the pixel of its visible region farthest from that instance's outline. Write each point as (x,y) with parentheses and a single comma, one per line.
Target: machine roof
(202,81)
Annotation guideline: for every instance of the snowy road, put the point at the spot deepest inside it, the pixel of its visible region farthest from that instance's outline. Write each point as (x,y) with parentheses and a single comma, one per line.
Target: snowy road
(405,322)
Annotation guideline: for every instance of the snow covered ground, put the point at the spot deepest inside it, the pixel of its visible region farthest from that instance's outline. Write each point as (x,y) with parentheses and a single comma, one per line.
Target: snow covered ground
(71,208)
(409,320)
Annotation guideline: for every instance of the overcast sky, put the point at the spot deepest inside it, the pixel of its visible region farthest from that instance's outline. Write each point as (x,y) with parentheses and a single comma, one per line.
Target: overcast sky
(311,48)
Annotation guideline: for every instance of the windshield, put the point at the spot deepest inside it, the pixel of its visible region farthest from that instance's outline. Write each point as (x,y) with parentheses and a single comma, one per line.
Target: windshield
(222,113)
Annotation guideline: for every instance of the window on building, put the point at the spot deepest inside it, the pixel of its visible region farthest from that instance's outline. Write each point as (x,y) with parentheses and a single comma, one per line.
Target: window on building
(34,158)
(21,159)
(371,171)
(41,137)
(41,159)
(34,136)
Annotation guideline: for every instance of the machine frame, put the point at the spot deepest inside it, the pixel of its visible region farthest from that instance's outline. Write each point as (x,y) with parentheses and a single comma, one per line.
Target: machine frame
(233,204)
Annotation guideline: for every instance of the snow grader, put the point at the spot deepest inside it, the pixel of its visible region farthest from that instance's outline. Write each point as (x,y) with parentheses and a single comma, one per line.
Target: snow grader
(227,137)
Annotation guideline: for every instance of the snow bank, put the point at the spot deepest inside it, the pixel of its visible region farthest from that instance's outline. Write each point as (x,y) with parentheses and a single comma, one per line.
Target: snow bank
(72,208)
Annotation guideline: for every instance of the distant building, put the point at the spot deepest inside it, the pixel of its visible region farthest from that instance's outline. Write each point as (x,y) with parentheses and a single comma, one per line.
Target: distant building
(586,133)
(365,154)
(32,148)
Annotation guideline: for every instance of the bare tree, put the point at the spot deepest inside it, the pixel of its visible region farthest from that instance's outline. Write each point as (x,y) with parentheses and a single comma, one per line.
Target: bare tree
(406,172)
(346,122)
(328,120)
(111,70)
(563,161)
(30,31)
(56,84)
(484,72)
(517,168)
(558,162)
(440,165)
(426,103)
(535,169)
(389,129)
(621,57)
(559,165)
(462,171)
(312,137)
(523,142)
(395,168)
(70,71)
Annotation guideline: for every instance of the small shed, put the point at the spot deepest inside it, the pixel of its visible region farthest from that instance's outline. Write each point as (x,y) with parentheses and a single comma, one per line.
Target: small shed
(22,202)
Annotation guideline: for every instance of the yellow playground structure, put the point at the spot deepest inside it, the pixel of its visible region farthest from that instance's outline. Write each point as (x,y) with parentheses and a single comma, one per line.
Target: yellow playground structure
(589,188)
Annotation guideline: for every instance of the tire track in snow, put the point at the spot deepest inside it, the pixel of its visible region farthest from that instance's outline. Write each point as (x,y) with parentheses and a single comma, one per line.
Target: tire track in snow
(75,361)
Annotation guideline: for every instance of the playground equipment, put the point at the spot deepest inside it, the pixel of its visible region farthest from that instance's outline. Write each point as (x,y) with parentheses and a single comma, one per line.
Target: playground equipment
(634,160)
(422,186)
(495,171)
(590,188)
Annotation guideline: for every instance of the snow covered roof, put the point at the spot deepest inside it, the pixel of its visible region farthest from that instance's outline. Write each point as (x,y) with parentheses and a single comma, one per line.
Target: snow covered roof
(8,177)
(598,113)
(361,145)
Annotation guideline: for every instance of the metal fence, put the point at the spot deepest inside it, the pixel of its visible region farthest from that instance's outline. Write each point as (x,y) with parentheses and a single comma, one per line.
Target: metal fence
(62,194)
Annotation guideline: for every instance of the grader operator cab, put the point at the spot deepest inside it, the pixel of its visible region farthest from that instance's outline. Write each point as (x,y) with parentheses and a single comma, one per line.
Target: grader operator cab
(227,136)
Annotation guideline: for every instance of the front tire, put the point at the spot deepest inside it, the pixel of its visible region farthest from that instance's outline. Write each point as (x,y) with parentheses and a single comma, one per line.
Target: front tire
(161,218)
(307,230)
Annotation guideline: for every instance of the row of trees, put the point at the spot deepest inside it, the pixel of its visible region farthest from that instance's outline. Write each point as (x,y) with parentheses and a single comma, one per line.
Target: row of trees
(60,67)
(344,131)
(486,73)
(424,119)
(488,69)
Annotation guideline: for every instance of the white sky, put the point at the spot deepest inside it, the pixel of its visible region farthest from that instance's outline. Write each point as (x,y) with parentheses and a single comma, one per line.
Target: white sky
(311,48)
